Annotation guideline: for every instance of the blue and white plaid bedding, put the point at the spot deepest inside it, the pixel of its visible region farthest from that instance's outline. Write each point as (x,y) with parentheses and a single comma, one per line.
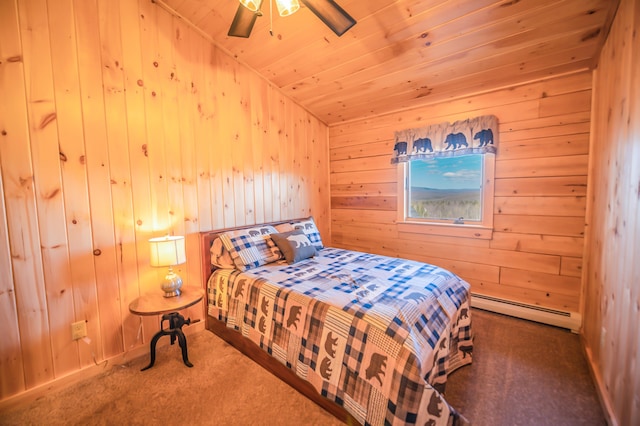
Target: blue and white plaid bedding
(378,335)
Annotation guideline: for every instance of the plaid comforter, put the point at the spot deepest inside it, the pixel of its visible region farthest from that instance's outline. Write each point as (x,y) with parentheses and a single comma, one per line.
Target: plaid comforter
(378,335)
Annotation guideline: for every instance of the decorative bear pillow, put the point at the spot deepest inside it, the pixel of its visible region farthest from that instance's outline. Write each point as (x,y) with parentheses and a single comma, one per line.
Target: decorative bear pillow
(220,256)
(295,245)
(250,248)
(308,226)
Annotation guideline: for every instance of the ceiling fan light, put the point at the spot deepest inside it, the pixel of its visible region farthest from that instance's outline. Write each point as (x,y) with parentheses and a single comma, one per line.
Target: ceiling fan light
(287,7)
(252,5)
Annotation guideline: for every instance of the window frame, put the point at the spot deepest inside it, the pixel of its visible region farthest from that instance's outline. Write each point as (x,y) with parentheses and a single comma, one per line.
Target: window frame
(481,230)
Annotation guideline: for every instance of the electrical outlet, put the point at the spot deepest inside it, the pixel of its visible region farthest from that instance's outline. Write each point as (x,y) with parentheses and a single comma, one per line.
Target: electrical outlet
(78,330)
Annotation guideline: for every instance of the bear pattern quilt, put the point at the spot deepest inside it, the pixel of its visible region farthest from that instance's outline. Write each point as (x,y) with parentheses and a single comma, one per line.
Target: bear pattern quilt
(377,335)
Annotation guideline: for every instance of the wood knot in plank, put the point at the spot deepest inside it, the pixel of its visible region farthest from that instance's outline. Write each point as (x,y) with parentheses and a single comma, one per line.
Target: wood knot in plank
(97,252)
(46,120)
(590,35)
(25,181)
(52,194)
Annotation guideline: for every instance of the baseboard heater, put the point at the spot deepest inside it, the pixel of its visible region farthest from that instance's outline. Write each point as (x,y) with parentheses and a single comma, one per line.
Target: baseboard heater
(569,320)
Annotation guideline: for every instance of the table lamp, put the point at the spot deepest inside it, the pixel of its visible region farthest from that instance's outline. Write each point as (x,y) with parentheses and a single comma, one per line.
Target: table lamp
(168,251)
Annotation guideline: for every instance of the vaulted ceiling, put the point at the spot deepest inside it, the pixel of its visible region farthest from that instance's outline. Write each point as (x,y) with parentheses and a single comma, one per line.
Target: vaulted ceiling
(406,53)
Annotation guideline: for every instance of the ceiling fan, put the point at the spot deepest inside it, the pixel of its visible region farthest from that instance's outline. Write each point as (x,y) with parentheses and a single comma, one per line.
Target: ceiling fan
(328,11)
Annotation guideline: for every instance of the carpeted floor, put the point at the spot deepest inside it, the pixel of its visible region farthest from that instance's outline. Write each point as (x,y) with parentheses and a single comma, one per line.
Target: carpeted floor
(523,373)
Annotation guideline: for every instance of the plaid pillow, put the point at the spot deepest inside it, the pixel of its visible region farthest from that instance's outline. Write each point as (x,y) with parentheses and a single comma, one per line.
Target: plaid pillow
(308,226)
(220,256)
(251,247)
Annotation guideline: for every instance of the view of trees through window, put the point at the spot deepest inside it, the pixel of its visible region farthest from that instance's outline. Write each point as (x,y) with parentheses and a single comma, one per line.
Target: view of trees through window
(446,188)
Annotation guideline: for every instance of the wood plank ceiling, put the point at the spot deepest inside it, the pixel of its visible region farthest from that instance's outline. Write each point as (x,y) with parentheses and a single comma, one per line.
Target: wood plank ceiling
(407,53)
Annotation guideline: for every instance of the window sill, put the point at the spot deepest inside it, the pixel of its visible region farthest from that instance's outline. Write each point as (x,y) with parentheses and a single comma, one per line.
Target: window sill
(447,229)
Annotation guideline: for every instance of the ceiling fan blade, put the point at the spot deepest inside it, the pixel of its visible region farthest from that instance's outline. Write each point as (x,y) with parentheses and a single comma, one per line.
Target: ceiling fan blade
(243,22)
(331,14)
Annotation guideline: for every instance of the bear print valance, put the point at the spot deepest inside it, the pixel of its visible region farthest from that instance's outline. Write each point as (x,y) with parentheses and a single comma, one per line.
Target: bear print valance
(471,136)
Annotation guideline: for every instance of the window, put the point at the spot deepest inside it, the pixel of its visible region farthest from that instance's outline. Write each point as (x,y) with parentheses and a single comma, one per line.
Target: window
(450,193)
(445,177)
(445,188)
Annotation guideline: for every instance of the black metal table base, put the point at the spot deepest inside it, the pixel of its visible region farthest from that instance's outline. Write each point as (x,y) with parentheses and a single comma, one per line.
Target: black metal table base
(176,321)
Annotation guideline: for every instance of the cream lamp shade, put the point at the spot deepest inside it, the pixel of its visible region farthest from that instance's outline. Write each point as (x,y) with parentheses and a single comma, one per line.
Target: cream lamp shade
(287,7)
(168,251)
(252,5)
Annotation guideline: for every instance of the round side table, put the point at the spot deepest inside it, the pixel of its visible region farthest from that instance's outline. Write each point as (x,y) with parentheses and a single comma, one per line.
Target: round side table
(168,307)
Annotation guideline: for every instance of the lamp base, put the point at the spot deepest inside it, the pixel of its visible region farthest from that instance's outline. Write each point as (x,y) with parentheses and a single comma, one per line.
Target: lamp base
(173,293)
(171,284)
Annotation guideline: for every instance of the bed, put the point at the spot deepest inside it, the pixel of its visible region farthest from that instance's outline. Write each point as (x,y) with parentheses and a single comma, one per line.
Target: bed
(369,338)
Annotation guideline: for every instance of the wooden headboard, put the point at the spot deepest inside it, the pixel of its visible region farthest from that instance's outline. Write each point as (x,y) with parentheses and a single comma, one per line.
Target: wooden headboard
(206,239)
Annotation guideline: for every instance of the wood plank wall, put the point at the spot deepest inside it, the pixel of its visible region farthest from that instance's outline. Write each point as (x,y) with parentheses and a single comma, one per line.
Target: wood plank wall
(612,290)
(535,255)
(119,123)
